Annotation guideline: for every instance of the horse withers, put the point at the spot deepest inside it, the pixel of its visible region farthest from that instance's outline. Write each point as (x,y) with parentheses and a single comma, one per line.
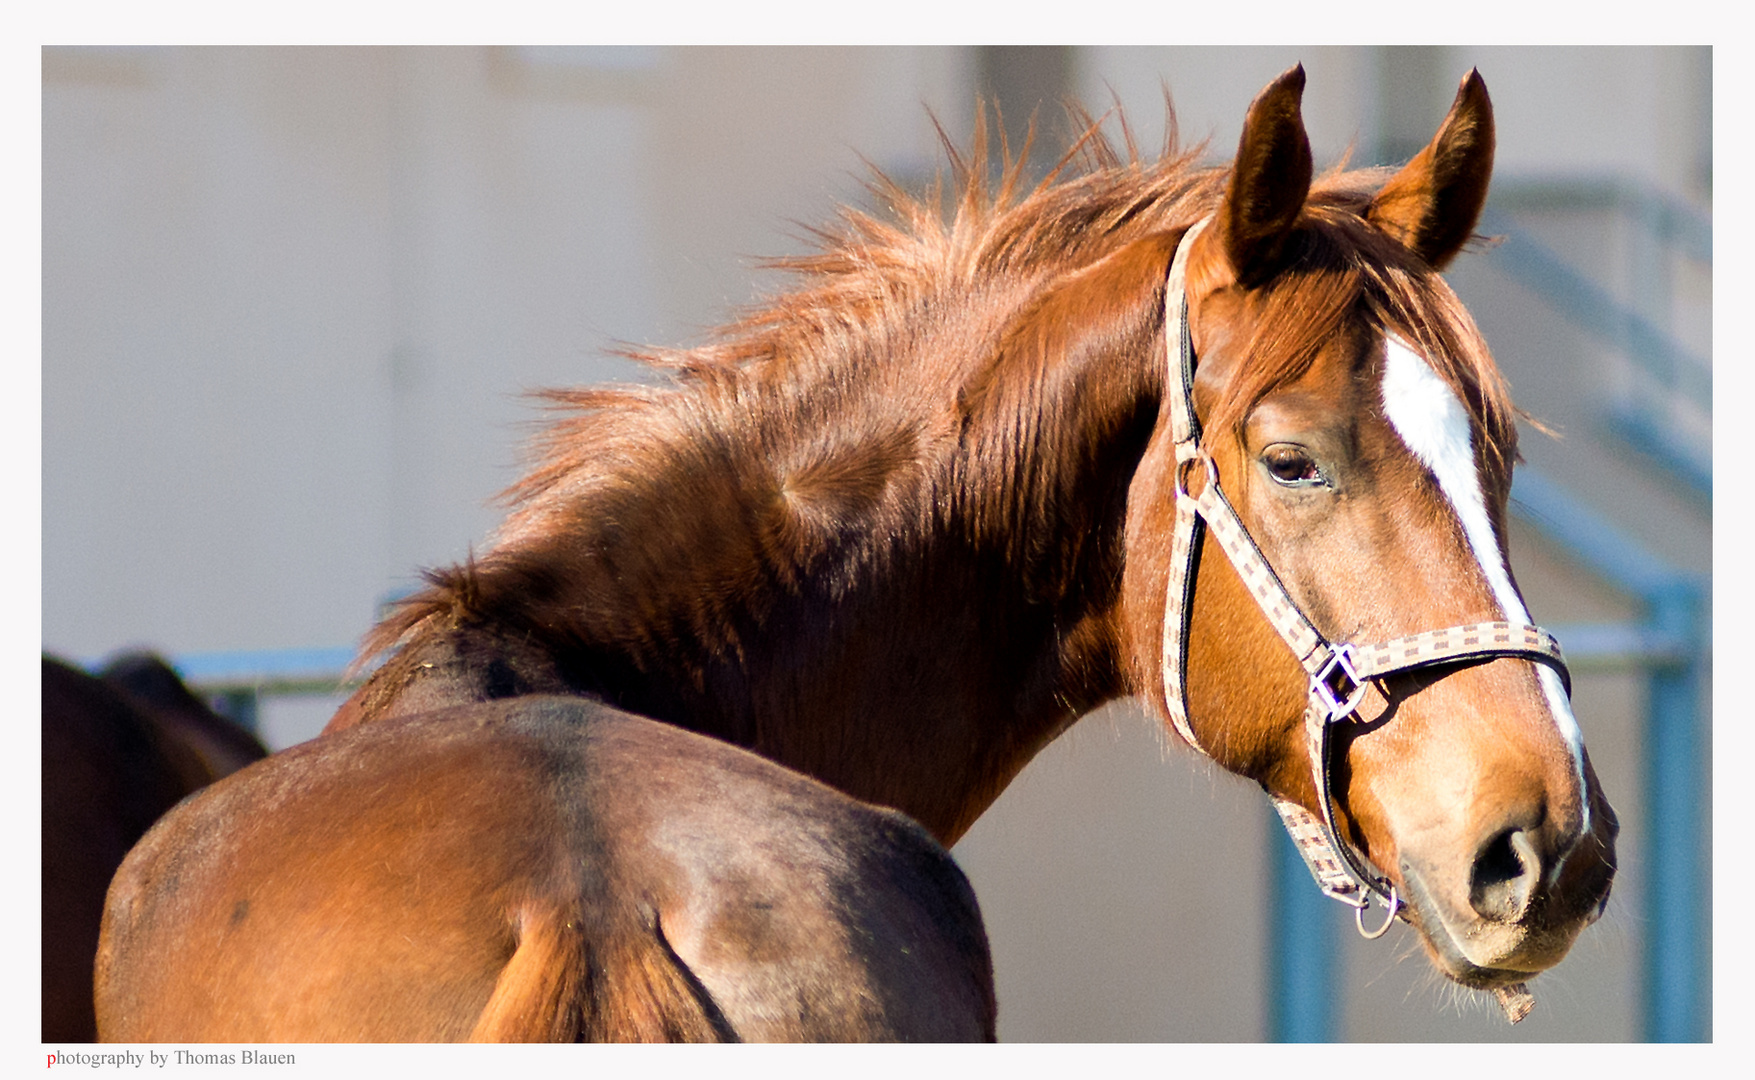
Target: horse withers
(1221,438)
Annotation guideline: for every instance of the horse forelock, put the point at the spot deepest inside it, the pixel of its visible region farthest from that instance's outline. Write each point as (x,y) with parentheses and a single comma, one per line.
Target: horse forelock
(1344,271)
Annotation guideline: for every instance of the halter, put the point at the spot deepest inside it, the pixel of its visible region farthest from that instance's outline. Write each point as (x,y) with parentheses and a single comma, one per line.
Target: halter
(1339,674)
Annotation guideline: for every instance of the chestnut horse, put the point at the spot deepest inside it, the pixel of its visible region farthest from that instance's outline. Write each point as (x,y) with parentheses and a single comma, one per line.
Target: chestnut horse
(896,531)
(118,751)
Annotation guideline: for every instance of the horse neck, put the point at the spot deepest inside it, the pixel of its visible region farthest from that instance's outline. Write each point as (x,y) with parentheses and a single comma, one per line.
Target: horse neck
(904,601)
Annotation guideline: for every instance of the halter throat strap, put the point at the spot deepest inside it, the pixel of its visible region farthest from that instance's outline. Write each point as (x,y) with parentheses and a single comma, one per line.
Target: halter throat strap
(1338,674)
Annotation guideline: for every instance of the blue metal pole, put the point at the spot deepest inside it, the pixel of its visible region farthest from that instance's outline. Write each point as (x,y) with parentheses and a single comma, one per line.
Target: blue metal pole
(1677,890)
(1301,950)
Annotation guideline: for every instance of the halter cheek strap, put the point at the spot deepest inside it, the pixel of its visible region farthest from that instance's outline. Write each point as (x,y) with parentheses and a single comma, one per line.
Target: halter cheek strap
(1338,674)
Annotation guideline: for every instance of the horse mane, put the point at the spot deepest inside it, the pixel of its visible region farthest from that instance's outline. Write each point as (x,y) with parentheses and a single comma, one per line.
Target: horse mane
(794,376)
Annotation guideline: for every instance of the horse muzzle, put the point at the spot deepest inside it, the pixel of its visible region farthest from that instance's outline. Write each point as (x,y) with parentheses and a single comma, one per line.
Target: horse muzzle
(1524,897)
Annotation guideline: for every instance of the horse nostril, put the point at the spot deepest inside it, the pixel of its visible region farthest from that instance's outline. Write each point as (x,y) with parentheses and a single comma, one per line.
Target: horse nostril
(1505,876)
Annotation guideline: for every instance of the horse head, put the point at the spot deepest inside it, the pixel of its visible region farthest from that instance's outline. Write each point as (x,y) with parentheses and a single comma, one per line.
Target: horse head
(1351,416)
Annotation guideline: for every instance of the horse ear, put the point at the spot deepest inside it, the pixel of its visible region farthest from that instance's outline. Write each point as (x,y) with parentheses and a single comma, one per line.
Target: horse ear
(1433,204)
(1269,180)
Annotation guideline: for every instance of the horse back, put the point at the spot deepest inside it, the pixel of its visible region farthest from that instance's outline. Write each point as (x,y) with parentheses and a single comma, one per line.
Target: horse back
(538,868)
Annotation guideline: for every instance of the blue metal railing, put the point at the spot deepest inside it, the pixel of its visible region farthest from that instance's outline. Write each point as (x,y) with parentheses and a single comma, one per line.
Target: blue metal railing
(234,681)
(1593,309)
(1671,374)
(289,670)
(1672,642)
(1674,648)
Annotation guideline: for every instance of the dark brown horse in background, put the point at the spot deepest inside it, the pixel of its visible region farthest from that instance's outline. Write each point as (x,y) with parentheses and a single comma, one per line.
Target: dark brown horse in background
(896,531)
(118,751)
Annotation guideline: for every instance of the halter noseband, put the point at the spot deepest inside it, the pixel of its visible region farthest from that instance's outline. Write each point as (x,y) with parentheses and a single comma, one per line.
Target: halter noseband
(1339,674)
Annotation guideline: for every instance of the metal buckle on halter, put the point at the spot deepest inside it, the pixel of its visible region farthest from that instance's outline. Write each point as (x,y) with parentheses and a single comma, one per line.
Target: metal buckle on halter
(1356,896)
(1352,894)
(1338,686)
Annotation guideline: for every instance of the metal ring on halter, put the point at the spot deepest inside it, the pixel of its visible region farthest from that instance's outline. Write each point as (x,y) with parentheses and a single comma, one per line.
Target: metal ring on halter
(1395,905)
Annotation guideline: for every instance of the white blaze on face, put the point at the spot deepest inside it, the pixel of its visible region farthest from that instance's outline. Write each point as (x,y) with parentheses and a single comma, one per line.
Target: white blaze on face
(1430,419)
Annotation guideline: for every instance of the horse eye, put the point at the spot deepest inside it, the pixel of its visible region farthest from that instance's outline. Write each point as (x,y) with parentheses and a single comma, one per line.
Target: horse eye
(1290,465)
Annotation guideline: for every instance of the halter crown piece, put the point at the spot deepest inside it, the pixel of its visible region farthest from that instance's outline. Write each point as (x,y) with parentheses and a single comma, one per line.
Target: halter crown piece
(1339,674)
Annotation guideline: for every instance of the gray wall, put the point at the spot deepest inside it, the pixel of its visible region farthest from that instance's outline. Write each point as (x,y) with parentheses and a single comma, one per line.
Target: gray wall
(291,298)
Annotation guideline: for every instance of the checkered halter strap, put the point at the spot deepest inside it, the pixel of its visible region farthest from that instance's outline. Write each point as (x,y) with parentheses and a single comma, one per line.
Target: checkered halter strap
(1339,673)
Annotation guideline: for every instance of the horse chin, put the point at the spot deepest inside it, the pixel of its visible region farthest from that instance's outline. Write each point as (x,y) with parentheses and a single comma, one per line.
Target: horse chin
(1483,954)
